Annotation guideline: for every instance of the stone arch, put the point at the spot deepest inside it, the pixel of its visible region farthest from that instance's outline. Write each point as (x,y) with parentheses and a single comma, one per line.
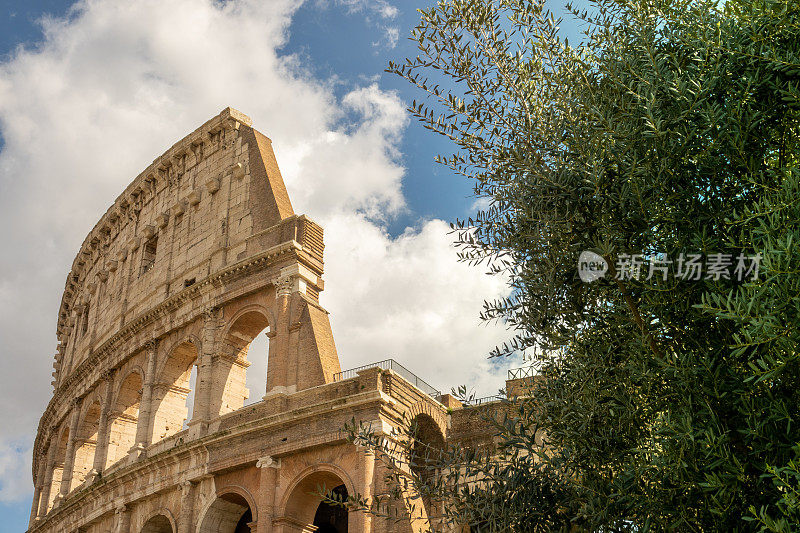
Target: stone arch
(232,511)
(161,521)
(172,387)
(428,441)
(124,417)
(302,506)
(234,344)
(127,372)
(60,441)
(426,449)
(189,338)
(245,324)
(426,408)
(86,444)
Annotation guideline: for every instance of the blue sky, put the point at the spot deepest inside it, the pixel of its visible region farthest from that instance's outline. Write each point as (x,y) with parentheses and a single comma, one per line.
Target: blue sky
(88,103)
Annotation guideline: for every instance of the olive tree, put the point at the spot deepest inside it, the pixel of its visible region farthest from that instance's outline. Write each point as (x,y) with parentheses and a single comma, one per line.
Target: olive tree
(665,147)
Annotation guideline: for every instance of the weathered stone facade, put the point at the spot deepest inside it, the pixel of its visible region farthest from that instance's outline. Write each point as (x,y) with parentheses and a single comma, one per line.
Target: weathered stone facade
(200,254)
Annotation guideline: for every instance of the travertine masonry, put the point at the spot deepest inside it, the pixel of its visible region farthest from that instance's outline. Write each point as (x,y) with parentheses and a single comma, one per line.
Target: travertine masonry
(201,253)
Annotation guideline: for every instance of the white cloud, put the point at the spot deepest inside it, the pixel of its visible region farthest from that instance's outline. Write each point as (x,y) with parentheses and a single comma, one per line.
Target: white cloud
(392,36)
(480,204)
(351,168)
(15,469)
(412,301)
(378,14)
(381,8)
(113,86)
(389,39)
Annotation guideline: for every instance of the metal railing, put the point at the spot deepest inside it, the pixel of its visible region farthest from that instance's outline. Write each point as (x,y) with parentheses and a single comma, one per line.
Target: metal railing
(519,373)
(474,402)
(391,364)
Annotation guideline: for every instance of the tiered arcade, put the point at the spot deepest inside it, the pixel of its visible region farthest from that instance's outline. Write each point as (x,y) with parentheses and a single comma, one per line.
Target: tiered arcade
(201,253)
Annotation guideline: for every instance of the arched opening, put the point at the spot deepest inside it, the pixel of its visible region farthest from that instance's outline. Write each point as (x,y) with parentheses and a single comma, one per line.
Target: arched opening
(257,355)
(85,445)
(171,391)
(123,419)
(426,452)
(241,345)
(305,506)
(230,513)
(191,396)
(58,465)
(331,518)
(158,524)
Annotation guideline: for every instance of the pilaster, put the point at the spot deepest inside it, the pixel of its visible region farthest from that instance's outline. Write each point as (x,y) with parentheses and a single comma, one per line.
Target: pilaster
(44,499)
(365,472)
(186,516)
(278,362)
(122,519)
(69,460)
(101,452)
(202,412)
(267,491)
(145,408)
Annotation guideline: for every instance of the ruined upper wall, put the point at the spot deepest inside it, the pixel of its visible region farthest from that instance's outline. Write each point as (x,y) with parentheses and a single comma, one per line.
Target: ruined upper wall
(206,203)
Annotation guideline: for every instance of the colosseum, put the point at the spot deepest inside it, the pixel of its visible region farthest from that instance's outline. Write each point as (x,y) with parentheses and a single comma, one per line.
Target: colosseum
(201,253)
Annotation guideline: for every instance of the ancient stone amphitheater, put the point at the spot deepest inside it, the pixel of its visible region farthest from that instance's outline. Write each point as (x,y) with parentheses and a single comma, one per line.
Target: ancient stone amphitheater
(200,254)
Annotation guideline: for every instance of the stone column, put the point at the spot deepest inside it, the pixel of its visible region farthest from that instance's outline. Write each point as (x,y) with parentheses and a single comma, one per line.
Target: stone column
(101,452)
(267,492)
(69,459)
(205,374)
(44,500)
(278,362)
(145,408)
(122,519)
(186,514)
(365,471)
(37,491)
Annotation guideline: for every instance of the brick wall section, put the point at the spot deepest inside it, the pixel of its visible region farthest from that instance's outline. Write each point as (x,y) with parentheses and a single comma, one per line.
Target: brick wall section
(271,192)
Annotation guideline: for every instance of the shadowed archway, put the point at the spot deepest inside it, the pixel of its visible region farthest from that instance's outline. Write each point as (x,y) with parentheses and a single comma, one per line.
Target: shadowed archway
(305,509)
(171,390)
(124,418)
(426,451)
(230,513)
(236,346)
(86,445)
(158,524)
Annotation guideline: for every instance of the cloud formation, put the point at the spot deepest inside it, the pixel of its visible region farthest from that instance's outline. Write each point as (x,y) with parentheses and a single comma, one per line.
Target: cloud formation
(116,83)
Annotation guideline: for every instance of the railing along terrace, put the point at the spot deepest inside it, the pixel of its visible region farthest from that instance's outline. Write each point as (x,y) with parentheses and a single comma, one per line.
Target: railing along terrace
(519,373)
(391,364)
(474,402)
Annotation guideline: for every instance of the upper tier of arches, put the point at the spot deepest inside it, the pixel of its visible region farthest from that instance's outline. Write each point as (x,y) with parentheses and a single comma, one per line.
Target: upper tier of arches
(201,253)
(189,214)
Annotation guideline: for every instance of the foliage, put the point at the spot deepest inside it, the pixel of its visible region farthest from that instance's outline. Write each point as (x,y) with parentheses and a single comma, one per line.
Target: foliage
(672,129)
